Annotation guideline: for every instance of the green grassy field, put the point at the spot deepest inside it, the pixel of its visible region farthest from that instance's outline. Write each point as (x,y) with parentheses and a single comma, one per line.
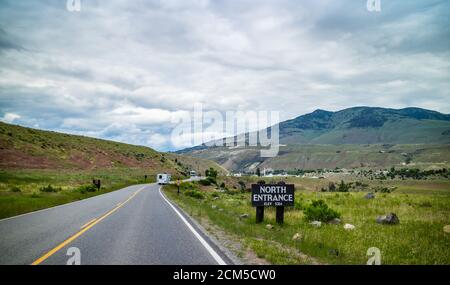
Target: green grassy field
(422,207)
(20,189)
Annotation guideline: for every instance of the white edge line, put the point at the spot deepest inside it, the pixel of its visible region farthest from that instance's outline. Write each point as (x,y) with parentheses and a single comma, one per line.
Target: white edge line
(63,205)
(211,251)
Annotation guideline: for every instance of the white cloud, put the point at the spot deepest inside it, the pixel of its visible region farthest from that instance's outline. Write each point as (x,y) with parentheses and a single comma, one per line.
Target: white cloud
(122,70)
(10,117)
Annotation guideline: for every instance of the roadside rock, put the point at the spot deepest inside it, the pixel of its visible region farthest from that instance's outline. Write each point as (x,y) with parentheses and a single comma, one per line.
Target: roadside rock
(349,227)
(335,221)
(333,251)
(369,196)
(216,198)
(389,219)
(447,229)
(269,226)
(317,224)
(297,236)
(243,216)
(213,206)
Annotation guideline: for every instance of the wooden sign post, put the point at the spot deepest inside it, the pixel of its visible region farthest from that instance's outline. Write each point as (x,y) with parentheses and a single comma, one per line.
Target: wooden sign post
(272,195)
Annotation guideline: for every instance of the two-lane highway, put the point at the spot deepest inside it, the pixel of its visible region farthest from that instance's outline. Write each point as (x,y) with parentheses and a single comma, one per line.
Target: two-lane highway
(134,225)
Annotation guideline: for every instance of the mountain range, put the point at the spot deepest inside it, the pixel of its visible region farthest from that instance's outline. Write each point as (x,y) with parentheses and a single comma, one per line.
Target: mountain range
(354,128)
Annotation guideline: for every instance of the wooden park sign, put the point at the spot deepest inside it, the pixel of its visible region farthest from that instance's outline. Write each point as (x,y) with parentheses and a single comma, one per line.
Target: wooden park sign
(272,195)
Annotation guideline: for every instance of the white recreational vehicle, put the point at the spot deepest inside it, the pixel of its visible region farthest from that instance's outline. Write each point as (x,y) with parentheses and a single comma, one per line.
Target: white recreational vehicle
(192,173)
(163,178)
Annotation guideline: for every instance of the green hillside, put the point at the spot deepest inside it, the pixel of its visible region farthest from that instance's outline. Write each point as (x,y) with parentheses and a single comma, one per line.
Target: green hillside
(26,148)
(32,160)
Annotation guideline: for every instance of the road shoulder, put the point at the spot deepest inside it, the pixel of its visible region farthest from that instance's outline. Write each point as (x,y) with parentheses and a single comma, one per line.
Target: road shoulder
(220,249)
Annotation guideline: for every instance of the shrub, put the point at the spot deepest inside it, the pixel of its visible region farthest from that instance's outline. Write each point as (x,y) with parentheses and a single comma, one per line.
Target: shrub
(194,194)
(211,172)
(15,189)
(204,182)
(186,185)
(212,180)
(318,210)
(298,205)
(222,185)
(242,185)
(49,189)
(332,187)
(208,181)
(343,187)
(87,188)
(384,189)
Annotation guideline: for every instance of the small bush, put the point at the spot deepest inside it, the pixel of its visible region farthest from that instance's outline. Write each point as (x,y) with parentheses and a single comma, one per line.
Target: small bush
(204,182)
(50,189)
(425,205)
(208,181)
(215,195)
(384,189)
(194,194)
(222,185)
(343,187)
(298,205)
(15,189)
(319,211)
(211,173)
(212,180)
(242,185)
(86,188)
(186,185)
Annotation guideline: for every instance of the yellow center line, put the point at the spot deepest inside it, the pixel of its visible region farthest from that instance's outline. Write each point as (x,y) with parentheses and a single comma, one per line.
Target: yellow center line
(82,231)
(88,223)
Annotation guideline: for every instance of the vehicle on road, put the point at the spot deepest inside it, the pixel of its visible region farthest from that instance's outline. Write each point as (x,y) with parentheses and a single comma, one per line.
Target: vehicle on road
(192,173)
(163,178)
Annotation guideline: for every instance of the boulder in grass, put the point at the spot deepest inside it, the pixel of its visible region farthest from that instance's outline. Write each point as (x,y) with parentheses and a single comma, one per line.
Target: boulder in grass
(369,196)
(335,221)
(389,219)
(349,227)
(243,216)
(447,229)
(333,251)
(297,237)
(269,226)
(317,224)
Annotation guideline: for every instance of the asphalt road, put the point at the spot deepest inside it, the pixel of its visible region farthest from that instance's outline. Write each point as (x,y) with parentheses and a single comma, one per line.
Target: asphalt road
(134,225)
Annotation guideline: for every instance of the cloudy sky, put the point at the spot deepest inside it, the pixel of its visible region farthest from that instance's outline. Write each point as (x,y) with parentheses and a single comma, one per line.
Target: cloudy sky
(122,70)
